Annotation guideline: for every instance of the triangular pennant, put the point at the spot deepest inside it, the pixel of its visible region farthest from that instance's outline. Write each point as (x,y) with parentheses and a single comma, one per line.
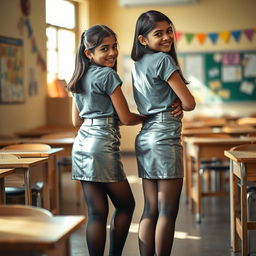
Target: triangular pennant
(178,35)
(213,37)
(201,37)
(249,34)
(189,37)
(225,35)
(236,34)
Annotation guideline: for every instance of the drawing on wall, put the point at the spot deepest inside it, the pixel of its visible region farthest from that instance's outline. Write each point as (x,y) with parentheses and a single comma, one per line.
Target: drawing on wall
(11,70)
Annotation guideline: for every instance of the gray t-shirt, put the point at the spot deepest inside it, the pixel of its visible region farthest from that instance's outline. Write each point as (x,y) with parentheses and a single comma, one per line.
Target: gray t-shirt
(98,84)
(150,74)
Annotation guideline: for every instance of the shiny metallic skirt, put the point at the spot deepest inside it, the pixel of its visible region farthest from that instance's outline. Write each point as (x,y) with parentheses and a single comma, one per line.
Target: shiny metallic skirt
(96,153)
(158,148)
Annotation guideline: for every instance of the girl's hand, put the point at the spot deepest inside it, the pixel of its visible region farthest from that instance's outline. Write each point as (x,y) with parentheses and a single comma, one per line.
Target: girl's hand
(178,111)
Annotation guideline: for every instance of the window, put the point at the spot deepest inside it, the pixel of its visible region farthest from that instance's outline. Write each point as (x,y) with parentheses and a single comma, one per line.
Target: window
(61,39)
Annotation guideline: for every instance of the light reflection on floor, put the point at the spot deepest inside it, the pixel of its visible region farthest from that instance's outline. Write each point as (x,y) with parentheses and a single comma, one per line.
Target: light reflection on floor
(178,234)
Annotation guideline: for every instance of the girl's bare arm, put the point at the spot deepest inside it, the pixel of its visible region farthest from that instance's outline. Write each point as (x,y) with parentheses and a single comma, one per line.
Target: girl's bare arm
(179,87)
(76,119)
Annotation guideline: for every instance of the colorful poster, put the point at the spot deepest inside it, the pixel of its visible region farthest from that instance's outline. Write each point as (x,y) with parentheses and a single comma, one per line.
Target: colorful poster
(11,70)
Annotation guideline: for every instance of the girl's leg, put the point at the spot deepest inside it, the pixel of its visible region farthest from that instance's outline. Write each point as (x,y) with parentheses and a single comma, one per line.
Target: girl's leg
(148,219)
(97,203)
(168,205)
(122,198)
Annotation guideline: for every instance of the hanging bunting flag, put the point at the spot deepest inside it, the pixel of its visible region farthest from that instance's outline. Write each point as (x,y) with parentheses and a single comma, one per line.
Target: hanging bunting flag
(249,34)
(213,37)
(27,24)
(178,35)
(201,37)
(236,34)
(189,37)
(25,21)
(20,25)
(33,44)
(225,35)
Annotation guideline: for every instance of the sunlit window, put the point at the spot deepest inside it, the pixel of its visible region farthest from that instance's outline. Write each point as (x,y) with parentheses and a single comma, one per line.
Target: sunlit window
(61,39)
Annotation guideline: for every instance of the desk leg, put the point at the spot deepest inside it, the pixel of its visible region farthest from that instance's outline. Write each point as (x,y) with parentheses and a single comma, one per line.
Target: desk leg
(46,194)
(54,186)
(198,195)
(231,196)
(62,249)
(244,218)
(234,210)
(185,166)
(190,183)
(28,193)
(2,191)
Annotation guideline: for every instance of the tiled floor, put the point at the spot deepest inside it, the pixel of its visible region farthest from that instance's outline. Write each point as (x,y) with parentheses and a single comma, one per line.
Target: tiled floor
(210,238)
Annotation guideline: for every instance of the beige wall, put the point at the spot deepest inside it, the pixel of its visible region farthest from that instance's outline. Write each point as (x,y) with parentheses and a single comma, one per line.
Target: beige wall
(16,117)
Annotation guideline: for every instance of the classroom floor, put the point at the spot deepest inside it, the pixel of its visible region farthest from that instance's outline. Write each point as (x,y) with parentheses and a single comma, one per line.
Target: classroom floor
(210,238)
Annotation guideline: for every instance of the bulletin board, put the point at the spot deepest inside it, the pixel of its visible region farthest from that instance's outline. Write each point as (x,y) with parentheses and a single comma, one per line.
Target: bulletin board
(217,77)
(11,70)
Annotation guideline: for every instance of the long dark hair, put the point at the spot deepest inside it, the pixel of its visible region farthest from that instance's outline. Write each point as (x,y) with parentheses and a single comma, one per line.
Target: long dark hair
(89,40)
(146,23)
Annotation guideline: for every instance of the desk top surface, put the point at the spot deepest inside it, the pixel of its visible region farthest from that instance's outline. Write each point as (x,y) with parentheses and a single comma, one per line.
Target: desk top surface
(36,232)
(21,162)
(239,130)
(212,140)
(241,156)
(52,142)
(5,172)
(34,153)
(45,129)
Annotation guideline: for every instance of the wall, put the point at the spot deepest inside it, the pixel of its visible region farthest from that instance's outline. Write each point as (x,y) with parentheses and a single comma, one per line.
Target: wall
(16,117)
(204,16)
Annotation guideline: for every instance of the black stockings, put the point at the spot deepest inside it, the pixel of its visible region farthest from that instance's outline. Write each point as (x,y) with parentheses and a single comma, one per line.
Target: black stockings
(96,195)
(157,224)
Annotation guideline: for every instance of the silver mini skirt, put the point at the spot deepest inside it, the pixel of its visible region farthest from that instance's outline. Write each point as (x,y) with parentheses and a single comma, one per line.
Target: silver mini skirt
(158,148)
(96,153)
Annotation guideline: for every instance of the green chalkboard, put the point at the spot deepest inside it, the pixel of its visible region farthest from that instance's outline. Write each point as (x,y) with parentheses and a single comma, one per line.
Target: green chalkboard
(217,77)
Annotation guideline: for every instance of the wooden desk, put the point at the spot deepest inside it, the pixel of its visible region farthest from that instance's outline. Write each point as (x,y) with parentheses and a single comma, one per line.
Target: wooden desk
(204,123)
(28,171)
(233,131)
(53,173)
(3,174)
(43,130)
(45,235)
(243,169)
(204,148)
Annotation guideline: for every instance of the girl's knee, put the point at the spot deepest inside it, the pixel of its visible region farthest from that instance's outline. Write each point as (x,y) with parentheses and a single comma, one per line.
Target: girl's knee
(168,211)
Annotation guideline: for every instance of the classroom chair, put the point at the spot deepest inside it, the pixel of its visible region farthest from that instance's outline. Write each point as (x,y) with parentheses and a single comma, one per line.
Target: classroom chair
(24,210)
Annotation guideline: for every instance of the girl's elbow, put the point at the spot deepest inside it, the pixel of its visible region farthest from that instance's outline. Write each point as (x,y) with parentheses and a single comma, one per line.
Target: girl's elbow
(125,122)
(190,106)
